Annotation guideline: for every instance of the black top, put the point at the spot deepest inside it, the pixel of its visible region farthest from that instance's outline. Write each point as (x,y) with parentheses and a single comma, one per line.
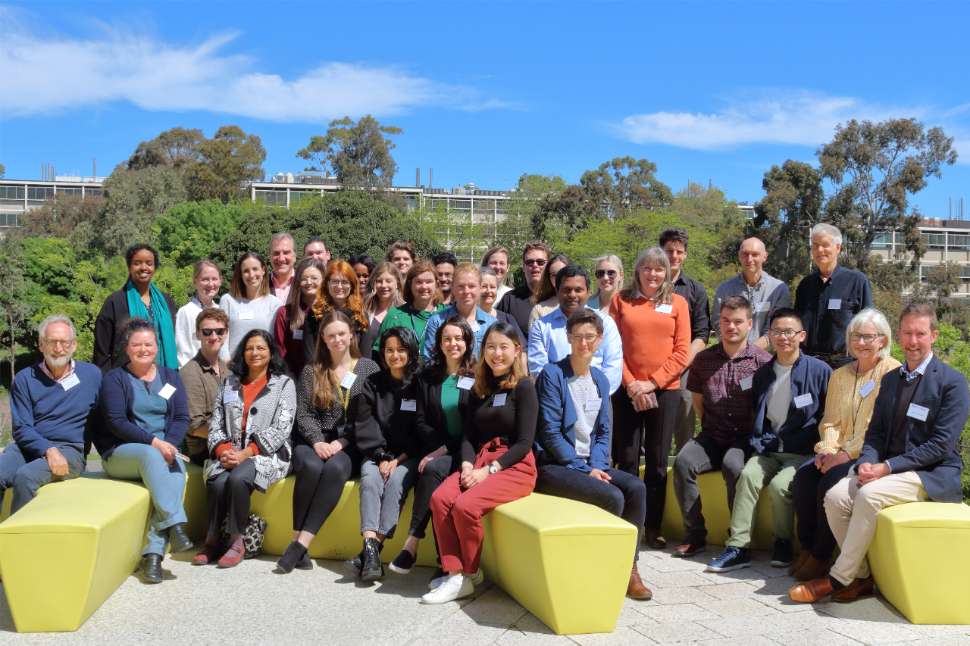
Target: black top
(109,351)
(383,429)
(431,424)
(311,330)
(518,303)
(314,424)
(700,313)
(514,422)
(826,307)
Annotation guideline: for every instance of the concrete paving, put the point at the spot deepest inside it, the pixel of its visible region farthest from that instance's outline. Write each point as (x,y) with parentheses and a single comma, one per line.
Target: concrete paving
(251,605)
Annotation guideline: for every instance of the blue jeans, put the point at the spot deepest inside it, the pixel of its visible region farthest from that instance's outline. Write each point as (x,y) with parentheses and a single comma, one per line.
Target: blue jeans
(27,477)
(165,483)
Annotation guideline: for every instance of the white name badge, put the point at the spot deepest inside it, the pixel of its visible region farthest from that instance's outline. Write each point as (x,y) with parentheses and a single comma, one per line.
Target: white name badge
(835,303)
(746,383)
(465,383)
(348,380)
(499,399)
(762,307)
(665,308)
(803,400)
(246,315)
(867,388)
(592,405)
(918,412)
(474,326)
(167,391)
(409,405)
(70,382)
(298,335)
(230,396)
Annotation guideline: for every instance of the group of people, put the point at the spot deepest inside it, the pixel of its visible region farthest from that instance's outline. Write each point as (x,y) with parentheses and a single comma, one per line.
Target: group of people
(436,377)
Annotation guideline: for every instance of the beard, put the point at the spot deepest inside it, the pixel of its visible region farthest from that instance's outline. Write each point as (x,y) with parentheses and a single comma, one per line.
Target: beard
(57,362)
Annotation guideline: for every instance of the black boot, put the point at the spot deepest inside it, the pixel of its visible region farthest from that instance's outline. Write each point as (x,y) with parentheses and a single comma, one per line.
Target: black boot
(178,540)
(372,569)
(151,568)
(294,556)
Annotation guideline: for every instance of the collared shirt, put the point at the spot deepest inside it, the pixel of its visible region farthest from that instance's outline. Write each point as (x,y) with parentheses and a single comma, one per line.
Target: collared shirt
(826,307)
(918,371)
(700,313)
(281,292)
(65,376)
(482,322)
(548,344)
(726,383)
(766,296)
(202,385)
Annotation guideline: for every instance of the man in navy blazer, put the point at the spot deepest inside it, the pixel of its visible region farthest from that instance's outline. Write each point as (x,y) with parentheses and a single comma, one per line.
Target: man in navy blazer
(911,453)
(573,437)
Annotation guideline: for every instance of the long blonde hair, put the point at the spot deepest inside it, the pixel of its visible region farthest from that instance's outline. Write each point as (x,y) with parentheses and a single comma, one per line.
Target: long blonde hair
(370,299)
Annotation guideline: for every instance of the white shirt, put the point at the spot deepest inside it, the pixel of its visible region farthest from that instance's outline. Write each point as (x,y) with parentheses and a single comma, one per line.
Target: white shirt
(187,345)
(246,315)
(582,390)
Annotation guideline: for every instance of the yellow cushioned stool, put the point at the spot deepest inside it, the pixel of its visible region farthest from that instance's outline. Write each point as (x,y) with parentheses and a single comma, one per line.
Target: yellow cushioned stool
(566,562)
(69,549)
(920,559)
(194,501)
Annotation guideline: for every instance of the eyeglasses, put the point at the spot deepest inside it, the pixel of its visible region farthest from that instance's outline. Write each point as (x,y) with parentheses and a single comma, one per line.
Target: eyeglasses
(865,338)
(584,338)
(59,343)
(538,262)
(209,331)
(606,272)
(338,283)
(785,334)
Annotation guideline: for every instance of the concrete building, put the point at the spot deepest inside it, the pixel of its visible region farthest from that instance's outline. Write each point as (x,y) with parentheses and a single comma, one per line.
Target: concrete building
(19,196)
(945,240)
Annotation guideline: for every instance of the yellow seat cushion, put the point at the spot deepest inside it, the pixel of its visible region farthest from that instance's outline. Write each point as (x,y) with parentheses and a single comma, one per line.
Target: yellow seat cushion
(69,549)
(920,559)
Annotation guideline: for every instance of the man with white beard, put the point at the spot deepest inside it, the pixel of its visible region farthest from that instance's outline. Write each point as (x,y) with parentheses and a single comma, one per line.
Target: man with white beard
(50,403)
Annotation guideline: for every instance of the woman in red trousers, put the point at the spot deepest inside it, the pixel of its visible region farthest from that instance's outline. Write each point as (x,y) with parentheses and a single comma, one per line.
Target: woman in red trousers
(497,462)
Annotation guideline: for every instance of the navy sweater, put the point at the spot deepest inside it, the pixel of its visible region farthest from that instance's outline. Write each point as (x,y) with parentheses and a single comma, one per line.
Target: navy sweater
(45,415)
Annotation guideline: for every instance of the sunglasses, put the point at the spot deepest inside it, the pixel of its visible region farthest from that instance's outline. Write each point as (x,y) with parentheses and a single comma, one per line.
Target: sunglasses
(219,331)
(539,262)
(600,273)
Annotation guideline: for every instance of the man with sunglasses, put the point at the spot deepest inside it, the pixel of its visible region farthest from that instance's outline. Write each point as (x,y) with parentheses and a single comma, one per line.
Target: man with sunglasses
(518,302)
(202,377)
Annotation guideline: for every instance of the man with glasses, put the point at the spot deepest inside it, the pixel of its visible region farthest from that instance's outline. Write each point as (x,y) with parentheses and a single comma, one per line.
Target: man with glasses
(789,398)
(51,403)
(518,302)
(202,377)
(721,380)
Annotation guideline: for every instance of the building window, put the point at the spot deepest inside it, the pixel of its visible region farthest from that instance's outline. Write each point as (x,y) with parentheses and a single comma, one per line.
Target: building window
(934,240)
(965,273)
(883,240)
(270,197)
(959,241)
(40,193)
(10,192)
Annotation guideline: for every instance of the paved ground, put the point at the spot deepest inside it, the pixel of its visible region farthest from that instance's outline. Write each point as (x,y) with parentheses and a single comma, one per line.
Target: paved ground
(251,605)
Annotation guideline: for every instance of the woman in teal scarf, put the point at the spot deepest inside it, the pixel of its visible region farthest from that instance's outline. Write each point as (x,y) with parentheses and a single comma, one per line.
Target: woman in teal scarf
(139,298)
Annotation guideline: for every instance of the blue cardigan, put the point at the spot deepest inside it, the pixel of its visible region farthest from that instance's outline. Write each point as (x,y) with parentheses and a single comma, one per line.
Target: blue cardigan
(556,439)
(117,400)
(799,433)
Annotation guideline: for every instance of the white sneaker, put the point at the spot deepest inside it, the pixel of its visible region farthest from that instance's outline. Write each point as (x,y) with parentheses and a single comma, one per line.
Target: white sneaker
(437,581)
(478,578)
(455,586)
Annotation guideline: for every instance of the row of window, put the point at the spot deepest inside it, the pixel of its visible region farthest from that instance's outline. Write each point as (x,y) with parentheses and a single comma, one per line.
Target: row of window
(931,240)
(12,192)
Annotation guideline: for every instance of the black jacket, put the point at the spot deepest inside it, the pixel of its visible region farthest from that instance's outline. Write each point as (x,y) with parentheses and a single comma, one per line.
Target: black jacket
(431,424)
(382,430)
(109,351)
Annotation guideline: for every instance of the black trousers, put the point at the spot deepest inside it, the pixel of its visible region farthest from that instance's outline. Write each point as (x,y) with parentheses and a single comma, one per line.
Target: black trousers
(319,484)
(808,498)
(654,430)
(700,455)
(624,495)
(229,497)
(433,475)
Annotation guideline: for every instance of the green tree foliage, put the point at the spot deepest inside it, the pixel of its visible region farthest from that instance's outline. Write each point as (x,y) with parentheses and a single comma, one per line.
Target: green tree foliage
(65,216)
(359,154)
(175,148)
(226,161)
(191,231)
(15,302)
(134,199)
(3,171)
(623,185)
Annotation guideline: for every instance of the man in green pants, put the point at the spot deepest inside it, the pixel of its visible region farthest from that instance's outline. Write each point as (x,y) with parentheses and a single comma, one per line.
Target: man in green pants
(789,399)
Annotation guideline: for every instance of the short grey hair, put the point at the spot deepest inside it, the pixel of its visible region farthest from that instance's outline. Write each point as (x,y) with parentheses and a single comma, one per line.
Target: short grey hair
(610,258)
(282,236)
(485,270)
(55,318)
(823,229)
(878,320)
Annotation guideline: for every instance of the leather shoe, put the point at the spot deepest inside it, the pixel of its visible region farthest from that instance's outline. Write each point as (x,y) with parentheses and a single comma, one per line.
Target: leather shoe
(653,539)
(233,556)
(858,589)
(178,540)
(210,552)
(811,591)
(685,550)
(371,569)
(803,556)
(635,588)
(811,569)
(151,568)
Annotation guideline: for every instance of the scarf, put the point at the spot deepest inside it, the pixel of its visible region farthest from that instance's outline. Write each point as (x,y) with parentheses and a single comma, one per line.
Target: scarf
(161,319)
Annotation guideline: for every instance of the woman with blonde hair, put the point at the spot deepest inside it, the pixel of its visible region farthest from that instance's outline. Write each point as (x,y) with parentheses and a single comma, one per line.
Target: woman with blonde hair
(609,281)
(383,293)
(207,280)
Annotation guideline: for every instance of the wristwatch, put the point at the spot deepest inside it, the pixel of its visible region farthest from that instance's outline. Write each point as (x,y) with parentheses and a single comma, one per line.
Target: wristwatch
(493,468)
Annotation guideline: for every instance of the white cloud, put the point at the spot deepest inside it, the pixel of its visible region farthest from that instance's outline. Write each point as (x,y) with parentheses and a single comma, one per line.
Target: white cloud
(764,117)
(45,73)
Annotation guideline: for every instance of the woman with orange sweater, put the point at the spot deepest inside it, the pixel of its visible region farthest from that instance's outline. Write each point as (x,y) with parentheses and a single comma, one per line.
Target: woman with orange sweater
(654,324)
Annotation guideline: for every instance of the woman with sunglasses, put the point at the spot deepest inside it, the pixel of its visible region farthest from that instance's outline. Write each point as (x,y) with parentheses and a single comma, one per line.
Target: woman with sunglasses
(202,377)
(609,280)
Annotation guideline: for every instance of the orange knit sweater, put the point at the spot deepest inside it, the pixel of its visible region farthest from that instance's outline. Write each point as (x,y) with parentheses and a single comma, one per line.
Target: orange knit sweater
(656,345)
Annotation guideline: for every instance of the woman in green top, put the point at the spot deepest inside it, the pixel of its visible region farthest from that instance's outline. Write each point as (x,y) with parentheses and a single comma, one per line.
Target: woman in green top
(421,299)
(442,394)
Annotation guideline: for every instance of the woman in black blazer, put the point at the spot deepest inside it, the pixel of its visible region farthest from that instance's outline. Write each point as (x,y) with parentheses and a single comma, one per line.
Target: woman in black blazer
(442,394)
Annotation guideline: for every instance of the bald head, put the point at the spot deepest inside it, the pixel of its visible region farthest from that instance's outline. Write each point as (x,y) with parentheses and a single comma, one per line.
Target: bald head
(752,256)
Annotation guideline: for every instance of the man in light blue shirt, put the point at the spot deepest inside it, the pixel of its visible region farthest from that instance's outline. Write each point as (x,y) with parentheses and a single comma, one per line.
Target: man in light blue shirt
(547,338)
(466,288)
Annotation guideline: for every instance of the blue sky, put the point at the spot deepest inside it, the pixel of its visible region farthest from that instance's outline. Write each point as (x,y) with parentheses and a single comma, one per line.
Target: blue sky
(487,91)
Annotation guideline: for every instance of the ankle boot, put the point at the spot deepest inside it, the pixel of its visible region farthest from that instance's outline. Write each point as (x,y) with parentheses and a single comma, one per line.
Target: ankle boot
(178,540)
(294,555)
(151,568)
(371,569)
(635,589)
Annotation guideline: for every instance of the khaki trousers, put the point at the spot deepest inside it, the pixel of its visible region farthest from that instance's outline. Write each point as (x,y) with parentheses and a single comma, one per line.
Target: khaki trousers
(851,511)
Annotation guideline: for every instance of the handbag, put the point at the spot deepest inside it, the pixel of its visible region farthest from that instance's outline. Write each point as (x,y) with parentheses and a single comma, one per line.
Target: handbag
(253,535)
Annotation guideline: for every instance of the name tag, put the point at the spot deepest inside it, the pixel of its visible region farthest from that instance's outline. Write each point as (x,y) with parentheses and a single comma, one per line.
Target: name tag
(348,380)
(918,412)
(167,391)
(665,308)
(246,315)
(592,405)
(835,303)
(803,400)
(70,382)
(229,396)
(746,383)
(762,307)
(409,405)
(499,399)
(465,383)
(298,335)
(867,388)
(474,326)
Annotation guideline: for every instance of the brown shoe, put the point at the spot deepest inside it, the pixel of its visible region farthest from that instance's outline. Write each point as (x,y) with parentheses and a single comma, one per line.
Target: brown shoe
(803,556)
(812,569)
(653,539)
(685,550)
(635,589)
(858,589)
(233,556)
(811,591)
(208,555)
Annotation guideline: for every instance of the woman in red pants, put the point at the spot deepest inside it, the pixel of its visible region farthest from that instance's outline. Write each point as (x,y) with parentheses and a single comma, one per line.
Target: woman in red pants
(497,462)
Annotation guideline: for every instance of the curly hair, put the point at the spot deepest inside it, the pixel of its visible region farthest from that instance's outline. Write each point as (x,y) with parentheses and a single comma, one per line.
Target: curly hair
(324,304)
